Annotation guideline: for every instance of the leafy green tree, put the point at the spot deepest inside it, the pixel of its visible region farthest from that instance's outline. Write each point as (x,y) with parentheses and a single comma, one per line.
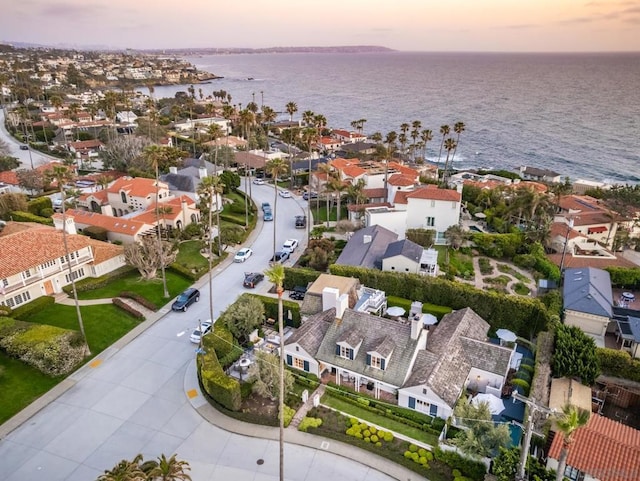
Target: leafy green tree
(149,255)
(575,355)
(482,437)
(243,316)
(12,201)
(8,163)
(505,467)
(231,181)
(422,237)
(230,235)
(266,378)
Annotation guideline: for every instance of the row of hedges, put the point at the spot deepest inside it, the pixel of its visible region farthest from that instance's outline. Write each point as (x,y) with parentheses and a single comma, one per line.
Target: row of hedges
(41,206)
(473,469)
(134,296)
(628,277)
(271,310)
(406,416)
(37,304)
(126,307)
(91,283)
(19,216)
(522,315)
(299,277)
(52,350)
(618,363)
(187,273)
(438,311)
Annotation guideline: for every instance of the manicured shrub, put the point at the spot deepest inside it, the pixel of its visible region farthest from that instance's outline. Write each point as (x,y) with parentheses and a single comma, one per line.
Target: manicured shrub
(288,415)
(19,216)
(413,448)
(126,307)
(473,469)
(139,299)
(374,438)
(223,389)
(308,422)
(35,305)
(36,206)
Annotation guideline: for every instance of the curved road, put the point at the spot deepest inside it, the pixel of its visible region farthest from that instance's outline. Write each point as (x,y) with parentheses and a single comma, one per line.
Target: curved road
(140,396)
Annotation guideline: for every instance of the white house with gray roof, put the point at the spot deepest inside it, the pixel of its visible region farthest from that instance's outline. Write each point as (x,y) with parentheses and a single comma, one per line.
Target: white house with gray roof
(588,301)
(457,356)
(366,247)
(402,256)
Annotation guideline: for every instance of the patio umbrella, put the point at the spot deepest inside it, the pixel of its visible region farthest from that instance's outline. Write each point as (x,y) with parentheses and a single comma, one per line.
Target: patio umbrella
(496,405)
(395,311)
(429,319)
(506,335)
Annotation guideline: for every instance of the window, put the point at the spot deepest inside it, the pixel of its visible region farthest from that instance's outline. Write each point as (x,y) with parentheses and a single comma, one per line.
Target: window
(26,274)
(298,363)
(433,203)
(5,282)
(376,362)
(431,221)
(123,196)
(346,352)
(76,275)
(573,473)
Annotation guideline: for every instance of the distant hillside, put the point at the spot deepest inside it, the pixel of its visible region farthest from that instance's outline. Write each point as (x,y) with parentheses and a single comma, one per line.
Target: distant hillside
(216,51)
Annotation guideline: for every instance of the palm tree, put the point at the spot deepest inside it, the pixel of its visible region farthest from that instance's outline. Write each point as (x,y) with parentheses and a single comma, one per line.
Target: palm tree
(291,109)
(125,470)
(458,128)
(170,469)
(154,154)
(325,168)
(308,137)
(390,139)
(215,131)
(415,133)
(338,187)
(449,145)
(275,274)
(571,419)
(63,174)
(307,117)
(275,168)
(444,130)
(426,137)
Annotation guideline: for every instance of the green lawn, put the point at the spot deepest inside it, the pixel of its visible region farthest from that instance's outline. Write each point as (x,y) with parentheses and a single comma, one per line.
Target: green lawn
(104,323)
(390,424)
(150,290)
(189,255)
(15,392)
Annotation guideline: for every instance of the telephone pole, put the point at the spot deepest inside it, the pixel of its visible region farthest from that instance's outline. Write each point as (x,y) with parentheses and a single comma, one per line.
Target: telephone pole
(533,407)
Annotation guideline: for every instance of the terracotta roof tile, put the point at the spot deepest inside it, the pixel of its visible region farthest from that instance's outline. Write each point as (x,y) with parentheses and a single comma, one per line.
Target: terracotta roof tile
(433,193)
(353,171)
(136,186)
(111,224)
(604,449)
(401,180)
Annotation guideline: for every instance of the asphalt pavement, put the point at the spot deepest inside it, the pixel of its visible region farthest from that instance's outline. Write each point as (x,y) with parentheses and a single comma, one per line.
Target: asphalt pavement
(141,396)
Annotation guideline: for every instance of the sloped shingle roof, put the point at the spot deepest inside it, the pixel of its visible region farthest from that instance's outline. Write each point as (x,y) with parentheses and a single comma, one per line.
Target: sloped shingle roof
(369,254)
(406,248)
(588,290)
(312,331)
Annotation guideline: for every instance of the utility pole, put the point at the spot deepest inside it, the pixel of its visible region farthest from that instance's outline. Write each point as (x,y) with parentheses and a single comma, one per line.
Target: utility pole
(564,249)
(533,407)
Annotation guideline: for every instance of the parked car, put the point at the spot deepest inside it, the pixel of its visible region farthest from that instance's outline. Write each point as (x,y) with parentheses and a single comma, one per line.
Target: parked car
(185,299)
(314,195)
(301,221)
(258,181)
(268,215)
(279,257)
(252,279)
(201,330)
(298,293)
(242,255)
(266,206)
(284,193)
(290,245)
(24,147)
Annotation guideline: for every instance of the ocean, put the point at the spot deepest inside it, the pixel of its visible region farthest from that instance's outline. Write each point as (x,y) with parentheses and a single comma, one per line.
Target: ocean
(576,114)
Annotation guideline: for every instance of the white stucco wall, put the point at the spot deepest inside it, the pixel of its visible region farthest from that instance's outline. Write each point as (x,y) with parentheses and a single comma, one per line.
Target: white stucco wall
(400,264)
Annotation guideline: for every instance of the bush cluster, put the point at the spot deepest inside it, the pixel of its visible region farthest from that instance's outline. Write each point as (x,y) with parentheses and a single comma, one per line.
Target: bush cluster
(271,309)
(188,273)
(40,206)
(223,389)
(308,422)
(618,364)
(472,469)
(299,277)
(20,216)
(419,455)
(126,307)
(368,434)
(288,415)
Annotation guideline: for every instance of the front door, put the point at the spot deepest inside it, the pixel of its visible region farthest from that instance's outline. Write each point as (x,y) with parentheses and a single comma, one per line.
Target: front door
(48,288)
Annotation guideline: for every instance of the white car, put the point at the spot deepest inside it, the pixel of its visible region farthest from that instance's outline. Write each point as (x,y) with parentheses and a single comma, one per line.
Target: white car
(242,255)
(290,245)
(201,330)
(284,193)
(258,181)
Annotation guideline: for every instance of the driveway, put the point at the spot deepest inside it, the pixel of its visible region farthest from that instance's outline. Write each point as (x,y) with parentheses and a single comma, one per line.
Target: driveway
(141,396)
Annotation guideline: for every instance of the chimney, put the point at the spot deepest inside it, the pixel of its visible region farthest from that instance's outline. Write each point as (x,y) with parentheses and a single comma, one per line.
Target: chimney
(70,225)
(416,326)
(366,239)
(330,298)
(173,170)
(202,172)
(341,306)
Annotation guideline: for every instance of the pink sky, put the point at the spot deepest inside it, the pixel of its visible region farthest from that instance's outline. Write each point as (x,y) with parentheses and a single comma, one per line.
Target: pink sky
(418,25)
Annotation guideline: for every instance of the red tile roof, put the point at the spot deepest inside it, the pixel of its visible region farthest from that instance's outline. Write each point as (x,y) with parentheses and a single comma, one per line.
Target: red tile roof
(374,193)
(431,192)
(604,449)
(353,171)
(401,180)
(135,186)
(111,224)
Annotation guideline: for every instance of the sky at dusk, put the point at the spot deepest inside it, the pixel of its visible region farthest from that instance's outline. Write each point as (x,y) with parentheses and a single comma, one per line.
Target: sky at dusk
(410,25)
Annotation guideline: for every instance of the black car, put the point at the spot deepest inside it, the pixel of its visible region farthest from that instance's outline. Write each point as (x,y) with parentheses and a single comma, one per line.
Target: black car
(24,147)
(298,293)
(185,299)
(314,195)
(252,279)
(301,221)
(279,257)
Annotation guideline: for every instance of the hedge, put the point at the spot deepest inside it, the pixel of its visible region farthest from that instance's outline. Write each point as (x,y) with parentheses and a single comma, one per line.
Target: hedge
(126,307)
(473,469)
(523,315)
(139,299)
(52,350)
(628,277)
(616,363)
(224,389)
(221,342)
(295,276)
(37,304)
(37,206)
(271,310)
(187,273)
(96,232)
(438,311)
(20,216)
(91,283)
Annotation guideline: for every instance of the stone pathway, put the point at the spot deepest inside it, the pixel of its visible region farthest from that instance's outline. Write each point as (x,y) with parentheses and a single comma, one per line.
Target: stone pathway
(304,409)
(481,284)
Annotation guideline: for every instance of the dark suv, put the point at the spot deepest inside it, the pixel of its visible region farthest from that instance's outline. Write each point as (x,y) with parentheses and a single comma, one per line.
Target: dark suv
(185,299)
(251,279)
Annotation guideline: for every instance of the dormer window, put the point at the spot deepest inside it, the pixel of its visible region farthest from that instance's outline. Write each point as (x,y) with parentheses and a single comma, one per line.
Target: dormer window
(344,352)
(376,361)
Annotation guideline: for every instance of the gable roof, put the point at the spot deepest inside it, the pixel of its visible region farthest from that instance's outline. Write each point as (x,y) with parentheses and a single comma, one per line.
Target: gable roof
(117,225)
(588,290)
(135,186)
(375,332)
(457,344)
(405,248)
(431,192)
(368,254)
(312,331)
(604,449)
(401,180)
